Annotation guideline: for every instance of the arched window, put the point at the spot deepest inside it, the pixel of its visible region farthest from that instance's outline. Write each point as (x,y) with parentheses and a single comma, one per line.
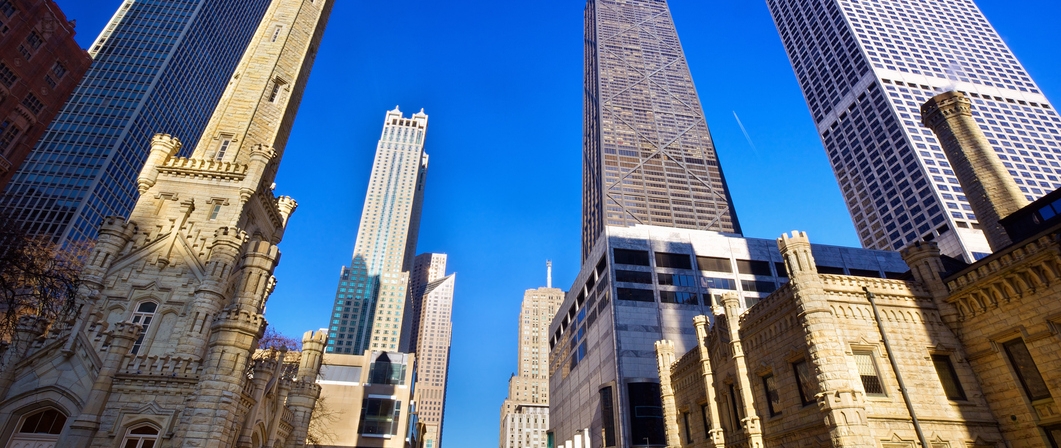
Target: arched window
(141,437)
(143,314)
(40,429)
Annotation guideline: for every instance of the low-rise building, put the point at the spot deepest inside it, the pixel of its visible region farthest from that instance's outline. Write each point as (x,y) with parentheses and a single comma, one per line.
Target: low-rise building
(366,399)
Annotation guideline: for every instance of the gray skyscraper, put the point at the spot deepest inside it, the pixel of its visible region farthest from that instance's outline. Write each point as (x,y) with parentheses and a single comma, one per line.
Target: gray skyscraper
(867,66)
(159,66)
(648,157)
(369,300)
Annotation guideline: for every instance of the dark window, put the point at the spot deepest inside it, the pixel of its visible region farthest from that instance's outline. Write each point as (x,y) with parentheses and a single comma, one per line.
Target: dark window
(807,384)
(773,399)
(867,370)
(757,286)
(48,421)
(754,267)
(385,372)
(781,271)
(830,270)
(865,273)
(7,8)
(707,424)
(34,40)
(633,257)
(636,295)
(601,266)
(688,431)
(59,70)
(677,261)
(646,415)
(8,133)
(1027,371)
(735,406)
(379,416)
(948,377)
(607,411)
(714,264)
(676,279)
(32,103)
(7,77)
(718,283)
(633,277)
(684,298)
(1054,434)
(275,94)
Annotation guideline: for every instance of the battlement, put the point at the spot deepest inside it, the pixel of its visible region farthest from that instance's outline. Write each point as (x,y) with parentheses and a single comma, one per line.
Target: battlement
(168,366)
(203,168)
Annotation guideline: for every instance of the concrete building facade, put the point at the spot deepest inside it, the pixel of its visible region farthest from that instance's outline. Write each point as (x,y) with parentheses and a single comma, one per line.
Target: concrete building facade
(40,64)
(371,295)
(368,397)
(647,284)
(865,69)
(432,349)
(648,156)
(525,412)
(162,349)
(426,269)
(85,166)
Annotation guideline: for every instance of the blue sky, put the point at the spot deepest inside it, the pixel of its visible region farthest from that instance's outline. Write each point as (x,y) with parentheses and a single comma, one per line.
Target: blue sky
(502,84)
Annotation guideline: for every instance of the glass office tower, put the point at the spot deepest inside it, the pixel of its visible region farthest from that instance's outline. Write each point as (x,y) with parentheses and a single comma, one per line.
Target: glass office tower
(159,66)
(867,66)
(648,157)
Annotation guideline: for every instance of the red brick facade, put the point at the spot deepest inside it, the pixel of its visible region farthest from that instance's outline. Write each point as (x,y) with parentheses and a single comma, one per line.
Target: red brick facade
(40,64)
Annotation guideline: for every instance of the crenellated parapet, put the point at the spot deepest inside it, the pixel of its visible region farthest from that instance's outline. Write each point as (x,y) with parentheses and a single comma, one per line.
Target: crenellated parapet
(1006,279)
(203,169)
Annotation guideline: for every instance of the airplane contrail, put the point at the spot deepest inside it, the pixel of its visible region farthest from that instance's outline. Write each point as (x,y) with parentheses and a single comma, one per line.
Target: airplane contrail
(746,136)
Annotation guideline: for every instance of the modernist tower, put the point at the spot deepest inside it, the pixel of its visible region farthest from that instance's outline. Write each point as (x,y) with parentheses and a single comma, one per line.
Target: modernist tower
(866,68)
(432,356)
(525,413)
(162,350)
(159,66)
(426,269)
(371,294)
(648,157)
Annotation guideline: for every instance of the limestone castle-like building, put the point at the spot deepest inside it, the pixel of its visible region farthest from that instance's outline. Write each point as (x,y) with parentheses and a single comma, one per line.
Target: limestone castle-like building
(161,353)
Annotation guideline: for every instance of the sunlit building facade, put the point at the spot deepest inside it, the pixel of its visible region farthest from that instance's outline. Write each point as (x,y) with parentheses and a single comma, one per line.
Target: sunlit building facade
(866,68)
(158,66)
(648,156)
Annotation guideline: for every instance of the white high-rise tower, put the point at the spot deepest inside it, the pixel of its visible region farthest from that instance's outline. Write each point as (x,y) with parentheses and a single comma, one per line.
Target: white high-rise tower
(866,67)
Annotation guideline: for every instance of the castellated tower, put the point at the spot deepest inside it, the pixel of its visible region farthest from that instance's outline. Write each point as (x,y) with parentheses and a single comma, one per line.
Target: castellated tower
(164,347)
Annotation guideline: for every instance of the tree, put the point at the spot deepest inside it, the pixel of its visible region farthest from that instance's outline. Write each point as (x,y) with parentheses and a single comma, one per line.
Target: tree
(319,433)
(275,340)
(37,277)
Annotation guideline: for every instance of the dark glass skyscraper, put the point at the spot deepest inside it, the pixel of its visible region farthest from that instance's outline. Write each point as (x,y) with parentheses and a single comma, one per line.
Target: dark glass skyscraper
(648,157)
(159,66)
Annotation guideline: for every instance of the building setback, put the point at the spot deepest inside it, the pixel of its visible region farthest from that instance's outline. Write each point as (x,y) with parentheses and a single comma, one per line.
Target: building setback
(865,69)
(525,413)
(157,66)
(161,350)
(648,157)
(40,64)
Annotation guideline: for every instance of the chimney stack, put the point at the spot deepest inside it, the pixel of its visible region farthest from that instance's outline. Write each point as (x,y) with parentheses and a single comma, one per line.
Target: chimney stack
(987,184)
(548,273)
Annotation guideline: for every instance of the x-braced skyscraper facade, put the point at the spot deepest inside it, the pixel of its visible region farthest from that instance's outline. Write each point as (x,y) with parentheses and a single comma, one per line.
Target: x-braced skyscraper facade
(866,68)
(648,157)
(371,294)
(159,66)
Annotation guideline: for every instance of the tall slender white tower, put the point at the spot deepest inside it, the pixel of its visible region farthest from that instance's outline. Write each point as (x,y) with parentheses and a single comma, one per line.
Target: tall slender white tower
(525,414)
(371,293)
(866,67)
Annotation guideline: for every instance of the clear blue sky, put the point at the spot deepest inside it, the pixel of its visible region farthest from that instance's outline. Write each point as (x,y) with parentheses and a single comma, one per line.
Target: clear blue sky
(502,84)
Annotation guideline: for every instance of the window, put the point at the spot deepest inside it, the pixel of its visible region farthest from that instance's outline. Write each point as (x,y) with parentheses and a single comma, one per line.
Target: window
(714,264)
(142,316)
(607,411)
(7,77)
(8,133)
(59,70)
(633,277)
(215,212)
(688,431)
(677,261)
(684,298)
(385,372)
(807,385)
(707,424)
(48,421)
(758,286)
(276,33)
(223,148)
(141,437)
(754,267)
(636,295)
(275,94)
(773,399)
(32,103)
(646,415)
(867,370)
(632,257)
(1027,371)
(1054,434)
(948,377)
(34,40)
(676,279)
(7,8)
(379,416)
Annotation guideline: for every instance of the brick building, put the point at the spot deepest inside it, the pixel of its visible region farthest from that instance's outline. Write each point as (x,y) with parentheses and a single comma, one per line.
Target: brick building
(40,65)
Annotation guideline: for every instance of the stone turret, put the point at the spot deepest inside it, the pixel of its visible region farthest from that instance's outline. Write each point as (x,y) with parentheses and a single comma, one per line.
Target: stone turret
(926,265)
(83,429)
(163,147)
(842,401)
(305,391)
(716,437)
(988,186)
(750,422)
(664,361)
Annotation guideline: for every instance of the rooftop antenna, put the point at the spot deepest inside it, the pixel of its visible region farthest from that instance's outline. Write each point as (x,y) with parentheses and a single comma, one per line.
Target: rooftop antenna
(548,273)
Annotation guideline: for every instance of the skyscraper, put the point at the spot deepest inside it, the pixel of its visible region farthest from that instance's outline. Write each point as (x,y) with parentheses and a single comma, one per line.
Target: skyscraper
(525,413)
(432,357)
(865,69)
(426,269)
(648,157)
(159,66)
(371,294)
